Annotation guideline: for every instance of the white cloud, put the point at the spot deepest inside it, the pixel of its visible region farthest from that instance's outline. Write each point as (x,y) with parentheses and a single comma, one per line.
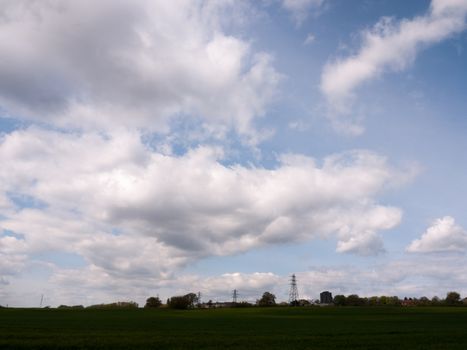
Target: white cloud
(4,201)
(444,235)
(107,197)
(299,125)
(250,286)
(13,257)
(309,39)
(405,276)
(301,9)
(402,277)
(106,64)
(389,46)
(91,285)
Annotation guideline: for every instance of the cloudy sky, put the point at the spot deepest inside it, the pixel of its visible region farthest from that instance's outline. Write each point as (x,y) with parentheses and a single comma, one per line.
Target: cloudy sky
(162,147)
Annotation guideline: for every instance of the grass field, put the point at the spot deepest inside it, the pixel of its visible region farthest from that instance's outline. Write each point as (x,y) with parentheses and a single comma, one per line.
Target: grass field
(255,328)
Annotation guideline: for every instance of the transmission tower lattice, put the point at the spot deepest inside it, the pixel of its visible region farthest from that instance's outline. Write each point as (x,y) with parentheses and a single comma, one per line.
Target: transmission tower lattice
(293,293)
(234,296)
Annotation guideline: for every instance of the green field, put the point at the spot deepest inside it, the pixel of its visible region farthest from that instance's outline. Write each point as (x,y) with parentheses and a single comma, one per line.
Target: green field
(254,328)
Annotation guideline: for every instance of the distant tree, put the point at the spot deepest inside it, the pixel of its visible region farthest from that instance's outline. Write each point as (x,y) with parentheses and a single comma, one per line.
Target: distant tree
(373,301)
(393,301)
(354,300)
(70,307)
(192,299)
(268,299)
(453,298)
(435,301)
(183,302)
(126,305)
(397,300)
(340,300)
(153,302)
(117,305)
(423,301)
(178,302)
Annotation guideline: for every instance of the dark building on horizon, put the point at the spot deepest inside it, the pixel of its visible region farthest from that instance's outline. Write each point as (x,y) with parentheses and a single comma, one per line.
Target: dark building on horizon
(325,297)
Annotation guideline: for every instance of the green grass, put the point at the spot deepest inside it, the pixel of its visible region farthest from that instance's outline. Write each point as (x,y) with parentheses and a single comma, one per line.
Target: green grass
(255,328)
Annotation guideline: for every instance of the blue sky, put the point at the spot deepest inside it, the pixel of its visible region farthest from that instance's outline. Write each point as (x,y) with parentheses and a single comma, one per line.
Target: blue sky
(155,148)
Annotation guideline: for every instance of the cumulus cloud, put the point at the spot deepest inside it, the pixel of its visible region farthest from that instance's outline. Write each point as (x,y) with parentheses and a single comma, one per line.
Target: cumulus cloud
(92,285)
(105,197)
(402,277)
(390,45)
(4,201)
(301,9)
(444,235)
(13,257)
(220,287)
(405,276)
(105,64)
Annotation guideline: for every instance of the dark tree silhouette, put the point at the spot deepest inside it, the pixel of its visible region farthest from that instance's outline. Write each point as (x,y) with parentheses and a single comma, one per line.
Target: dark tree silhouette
(339,300)
(153,302)
(453,298)
(183,302)
(268,299)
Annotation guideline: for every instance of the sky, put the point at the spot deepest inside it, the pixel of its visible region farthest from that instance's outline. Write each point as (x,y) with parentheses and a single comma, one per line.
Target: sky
(159,148)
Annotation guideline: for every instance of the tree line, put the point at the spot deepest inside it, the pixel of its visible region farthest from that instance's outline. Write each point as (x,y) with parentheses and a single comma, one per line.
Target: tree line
(452,299)
(192,300)
(268,299)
